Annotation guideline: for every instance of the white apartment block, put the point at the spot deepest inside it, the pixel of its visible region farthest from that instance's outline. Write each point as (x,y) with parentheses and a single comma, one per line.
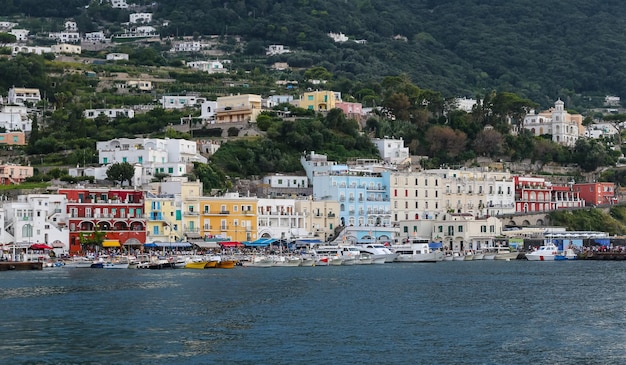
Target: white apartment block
(21,35)
(208,109)
(109,113)
(188,46)
(612,100)
(392,150)
(278,218)
(465,104)
(173,157)
(457,232)
(7,26)
(15,118)
(37,218)
(22,95)
(430,194)
(600,130)
(95,36)
(180,101)
(65,37)
(286,181)
(140,18)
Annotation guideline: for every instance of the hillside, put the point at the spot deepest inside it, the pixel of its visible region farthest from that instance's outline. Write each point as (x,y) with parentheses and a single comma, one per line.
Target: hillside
(539,50)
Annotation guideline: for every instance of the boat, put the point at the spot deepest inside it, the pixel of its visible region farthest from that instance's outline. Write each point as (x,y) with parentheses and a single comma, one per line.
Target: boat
(257,261)
(195,265)
(226,264)
(78,262)
(286,261)
(377,250)
(546,252)
(568,254)
(469,256)
(418,250)
(505,253)
(337,255)
(458,257)
(211,264)
(479,255)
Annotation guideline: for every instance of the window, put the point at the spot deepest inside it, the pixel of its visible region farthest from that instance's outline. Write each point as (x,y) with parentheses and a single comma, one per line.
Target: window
(492,228)
(483,229)
(460,229)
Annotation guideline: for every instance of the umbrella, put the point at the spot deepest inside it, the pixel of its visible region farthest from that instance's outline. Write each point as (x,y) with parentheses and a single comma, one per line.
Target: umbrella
(40,246)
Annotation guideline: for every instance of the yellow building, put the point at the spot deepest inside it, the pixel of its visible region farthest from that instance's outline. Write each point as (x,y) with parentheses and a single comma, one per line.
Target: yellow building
(321,216)
(229,216)
(238,108)
(320,101)
(172,208)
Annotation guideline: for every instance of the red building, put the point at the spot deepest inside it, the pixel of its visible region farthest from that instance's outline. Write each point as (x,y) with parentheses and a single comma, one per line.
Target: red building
(535,194)
(597,193)
(117,212)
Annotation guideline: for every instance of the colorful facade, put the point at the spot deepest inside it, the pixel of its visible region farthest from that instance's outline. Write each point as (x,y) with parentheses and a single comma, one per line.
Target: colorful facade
(597,193)
(117,212)
(230,217)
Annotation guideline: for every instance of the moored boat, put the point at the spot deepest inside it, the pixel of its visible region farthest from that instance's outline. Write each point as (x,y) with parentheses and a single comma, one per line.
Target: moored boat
(418,250)
(547,252)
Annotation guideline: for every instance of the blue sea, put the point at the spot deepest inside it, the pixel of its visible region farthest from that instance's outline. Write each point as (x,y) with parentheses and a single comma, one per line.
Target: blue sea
(481,312)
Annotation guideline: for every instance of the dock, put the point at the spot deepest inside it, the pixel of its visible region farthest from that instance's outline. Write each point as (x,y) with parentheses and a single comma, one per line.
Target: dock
(613,256)
(19,265)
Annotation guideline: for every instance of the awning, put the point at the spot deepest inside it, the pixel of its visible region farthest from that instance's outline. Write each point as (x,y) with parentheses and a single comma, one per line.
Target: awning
(193,235)
(57,244)
(111,243)
(204,244)
(309,242)
(435,245)
(132,242)
(40,246)
(260,242)
(172,244)
(230,244)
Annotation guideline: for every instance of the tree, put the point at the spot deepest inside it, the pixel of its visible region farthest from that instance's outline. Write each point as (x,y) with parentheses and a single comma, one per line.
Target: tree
(121,172)
(488,142)
(6,38)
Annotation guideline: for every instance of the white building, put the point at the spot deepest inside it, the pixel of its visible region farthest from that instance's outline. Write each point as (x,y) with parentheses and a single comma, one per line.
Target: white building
(37,218)
(119,4)
(212,67)
(15,118)
(338,37)
(276,49)
(95,36)
(278,218)
(564,127)
(392,150)
(612,100)
(70,26)
(600,130)
(109,113)
(180,101)
(117,56)
(208,109)
(21,35)
(140,18)
(7,26)
(457,232)
(188,46)
(30,49)
(65,37)
(66,48)
(465,104)
(174,157)
(22,95)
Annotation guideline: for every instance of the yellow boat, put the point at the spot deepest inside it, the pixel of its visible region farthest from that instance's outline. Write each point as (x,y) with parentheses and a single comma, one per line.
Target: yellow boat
(226,264)
(195,265)
(210,265)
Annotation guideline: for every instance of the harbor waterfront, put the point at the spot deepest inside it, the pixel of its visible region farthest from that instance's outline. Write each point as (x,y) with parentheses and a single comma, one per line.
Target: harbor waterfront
(480,312)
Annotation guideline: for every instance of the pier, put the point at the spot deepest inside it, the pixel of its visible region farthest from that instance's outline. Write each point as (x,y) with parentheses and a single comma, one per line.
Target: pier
(19,265)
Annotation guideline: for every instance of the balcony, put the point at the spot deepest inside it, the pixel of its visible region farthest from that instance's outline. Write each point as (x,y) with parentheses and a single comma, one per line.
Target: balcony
(225,212)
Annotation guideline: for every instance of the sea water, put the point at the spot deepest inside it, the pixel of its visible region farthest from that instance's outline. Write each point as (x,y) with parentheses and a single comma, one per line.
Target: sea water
(481,312)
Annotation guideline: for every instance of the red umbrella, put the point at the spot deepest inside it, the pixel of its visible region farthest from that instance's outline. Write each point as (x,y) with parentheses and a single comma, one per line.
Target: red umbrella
(40,246)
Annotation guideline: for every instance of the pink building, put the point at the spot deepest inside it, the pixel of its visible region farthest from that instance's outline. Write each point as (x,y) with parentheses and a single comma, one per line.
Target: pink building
(597,193)
(534,194)
(351,110)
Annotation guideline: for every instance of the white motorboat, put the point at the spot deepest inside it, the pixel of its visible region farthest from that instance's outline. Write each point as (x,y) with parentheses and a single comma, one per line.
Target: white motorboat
(479,255)
(505,253)
(78,262)
(286,261)
(377,250)
(546,252)
(418,250)
(258,261)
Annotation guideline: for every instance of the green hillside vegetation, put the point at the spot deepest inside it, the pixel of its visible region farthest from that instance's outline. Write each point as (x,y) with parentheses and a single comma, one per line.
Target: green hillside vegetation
(592,220)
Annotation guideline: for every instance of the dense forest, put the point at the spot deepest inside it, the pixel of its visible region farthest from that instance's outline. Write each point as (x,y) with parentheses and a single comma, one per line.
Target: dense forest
(539,50)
